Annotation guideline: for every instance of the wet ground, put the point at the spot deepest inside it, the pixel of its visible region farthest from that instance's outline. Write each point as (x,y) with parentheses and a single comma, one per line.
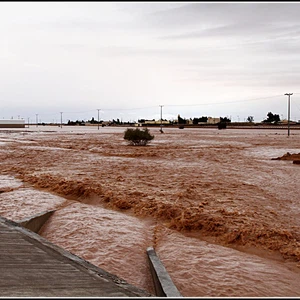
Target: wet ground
(222,215)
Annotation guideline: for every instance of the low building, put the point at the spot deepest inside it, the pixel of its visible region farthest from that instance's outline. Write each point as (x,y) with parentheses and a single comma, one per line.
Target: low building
(285,122)
(156,122)
(211,120)
(12,123)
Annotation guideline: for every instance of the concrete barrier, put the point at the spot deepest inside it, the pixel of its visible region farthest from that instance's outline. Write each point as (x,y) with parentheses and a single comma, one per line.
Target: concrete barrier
(164,286)
(35,223)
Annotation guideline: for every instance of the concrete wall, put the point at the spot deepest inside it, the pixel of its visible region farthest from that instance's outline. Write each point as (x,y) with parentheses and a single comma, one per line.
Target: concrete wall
(164,286)
(35,223)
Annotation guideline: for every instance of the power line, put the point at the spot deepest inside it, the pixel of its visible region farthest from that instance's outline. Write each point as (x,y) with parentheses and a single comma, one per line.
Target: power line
(297,106)
(78,112)
(134,108)
(214,103)
(169,105)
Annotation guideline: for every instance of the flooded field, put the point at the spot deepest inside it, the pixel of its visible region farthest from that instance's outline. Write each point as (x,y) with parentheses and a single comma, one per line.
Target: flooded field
(221,213)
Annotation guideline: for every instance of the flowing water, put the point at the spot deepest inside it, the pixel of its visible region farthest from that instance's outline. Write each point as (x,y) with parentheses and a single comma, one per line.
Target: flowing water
(223,217)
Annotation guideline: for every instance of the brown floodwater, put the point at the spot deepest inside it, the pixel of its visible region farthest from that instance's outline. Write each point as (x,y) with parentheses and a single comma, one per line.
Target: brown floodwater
(221,213)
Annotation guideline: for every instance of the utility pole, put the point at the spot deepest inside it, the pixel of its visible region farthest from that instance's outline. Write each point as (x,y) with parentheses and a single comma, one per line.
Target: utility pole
(36,120)
(98,117)
(289,100)
(61,119)
(161,106)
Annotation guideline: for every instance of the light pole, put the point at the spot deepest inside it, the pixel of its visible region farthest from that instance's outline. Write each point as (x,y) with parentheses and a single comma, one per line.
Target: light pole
(36,120)
(98,117)
(161,106)
(61,119)
(289,100)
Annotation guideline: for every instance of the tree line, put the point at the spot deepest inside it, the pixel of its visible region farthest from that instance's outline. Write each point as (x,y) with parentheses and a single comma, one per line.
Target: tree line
(271,118)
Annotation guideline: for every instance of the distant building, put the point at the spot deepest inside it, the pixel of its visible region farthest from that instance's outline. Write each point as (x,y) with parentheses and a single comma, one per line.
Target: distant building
(211,120)
(284,122)
(12,123)
(154,122)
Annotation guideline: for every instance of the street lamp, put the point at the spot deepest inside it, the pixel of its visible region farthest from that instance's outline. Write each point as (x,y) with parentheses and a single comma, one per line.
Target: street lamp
(98,117)
(61,119)
(161,106)
(289,100)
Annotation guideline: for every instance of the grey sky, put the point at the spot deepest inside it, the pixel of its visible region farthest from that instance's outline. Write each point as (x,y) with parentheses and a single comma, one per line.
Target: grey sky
(126,58)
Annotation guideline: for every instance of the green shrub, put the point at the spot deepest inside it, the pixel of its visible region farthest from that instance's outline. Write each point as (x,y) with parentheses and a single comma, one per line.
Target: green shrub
(138,137)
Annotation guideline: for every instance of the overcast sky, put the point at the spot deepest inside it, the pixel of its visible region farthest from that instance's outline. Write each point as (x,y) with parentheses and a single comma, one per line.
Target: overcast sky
(231,59)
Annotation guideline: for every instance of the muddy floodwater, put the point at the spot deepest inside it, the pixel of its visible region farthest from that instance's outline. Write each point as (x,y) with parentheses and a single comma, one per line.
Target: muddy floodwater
(221,213)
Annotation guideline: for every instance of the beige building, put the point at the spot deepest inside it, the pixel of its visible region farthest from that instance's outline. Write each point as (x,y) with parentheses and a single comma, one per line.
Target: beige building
(156,122)
(284,122)
(12,123)
(211,120)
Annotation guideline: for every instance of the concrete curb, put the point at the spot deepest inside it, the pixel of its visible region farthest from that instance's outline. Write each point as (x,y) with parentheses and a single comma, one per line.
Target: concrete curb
(36,222)
(164,286)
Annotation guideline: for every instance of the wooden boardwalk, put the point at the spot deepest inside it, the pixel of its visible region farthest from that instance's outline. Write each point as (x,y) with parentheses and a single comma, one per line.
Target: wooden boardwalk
(31,266)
